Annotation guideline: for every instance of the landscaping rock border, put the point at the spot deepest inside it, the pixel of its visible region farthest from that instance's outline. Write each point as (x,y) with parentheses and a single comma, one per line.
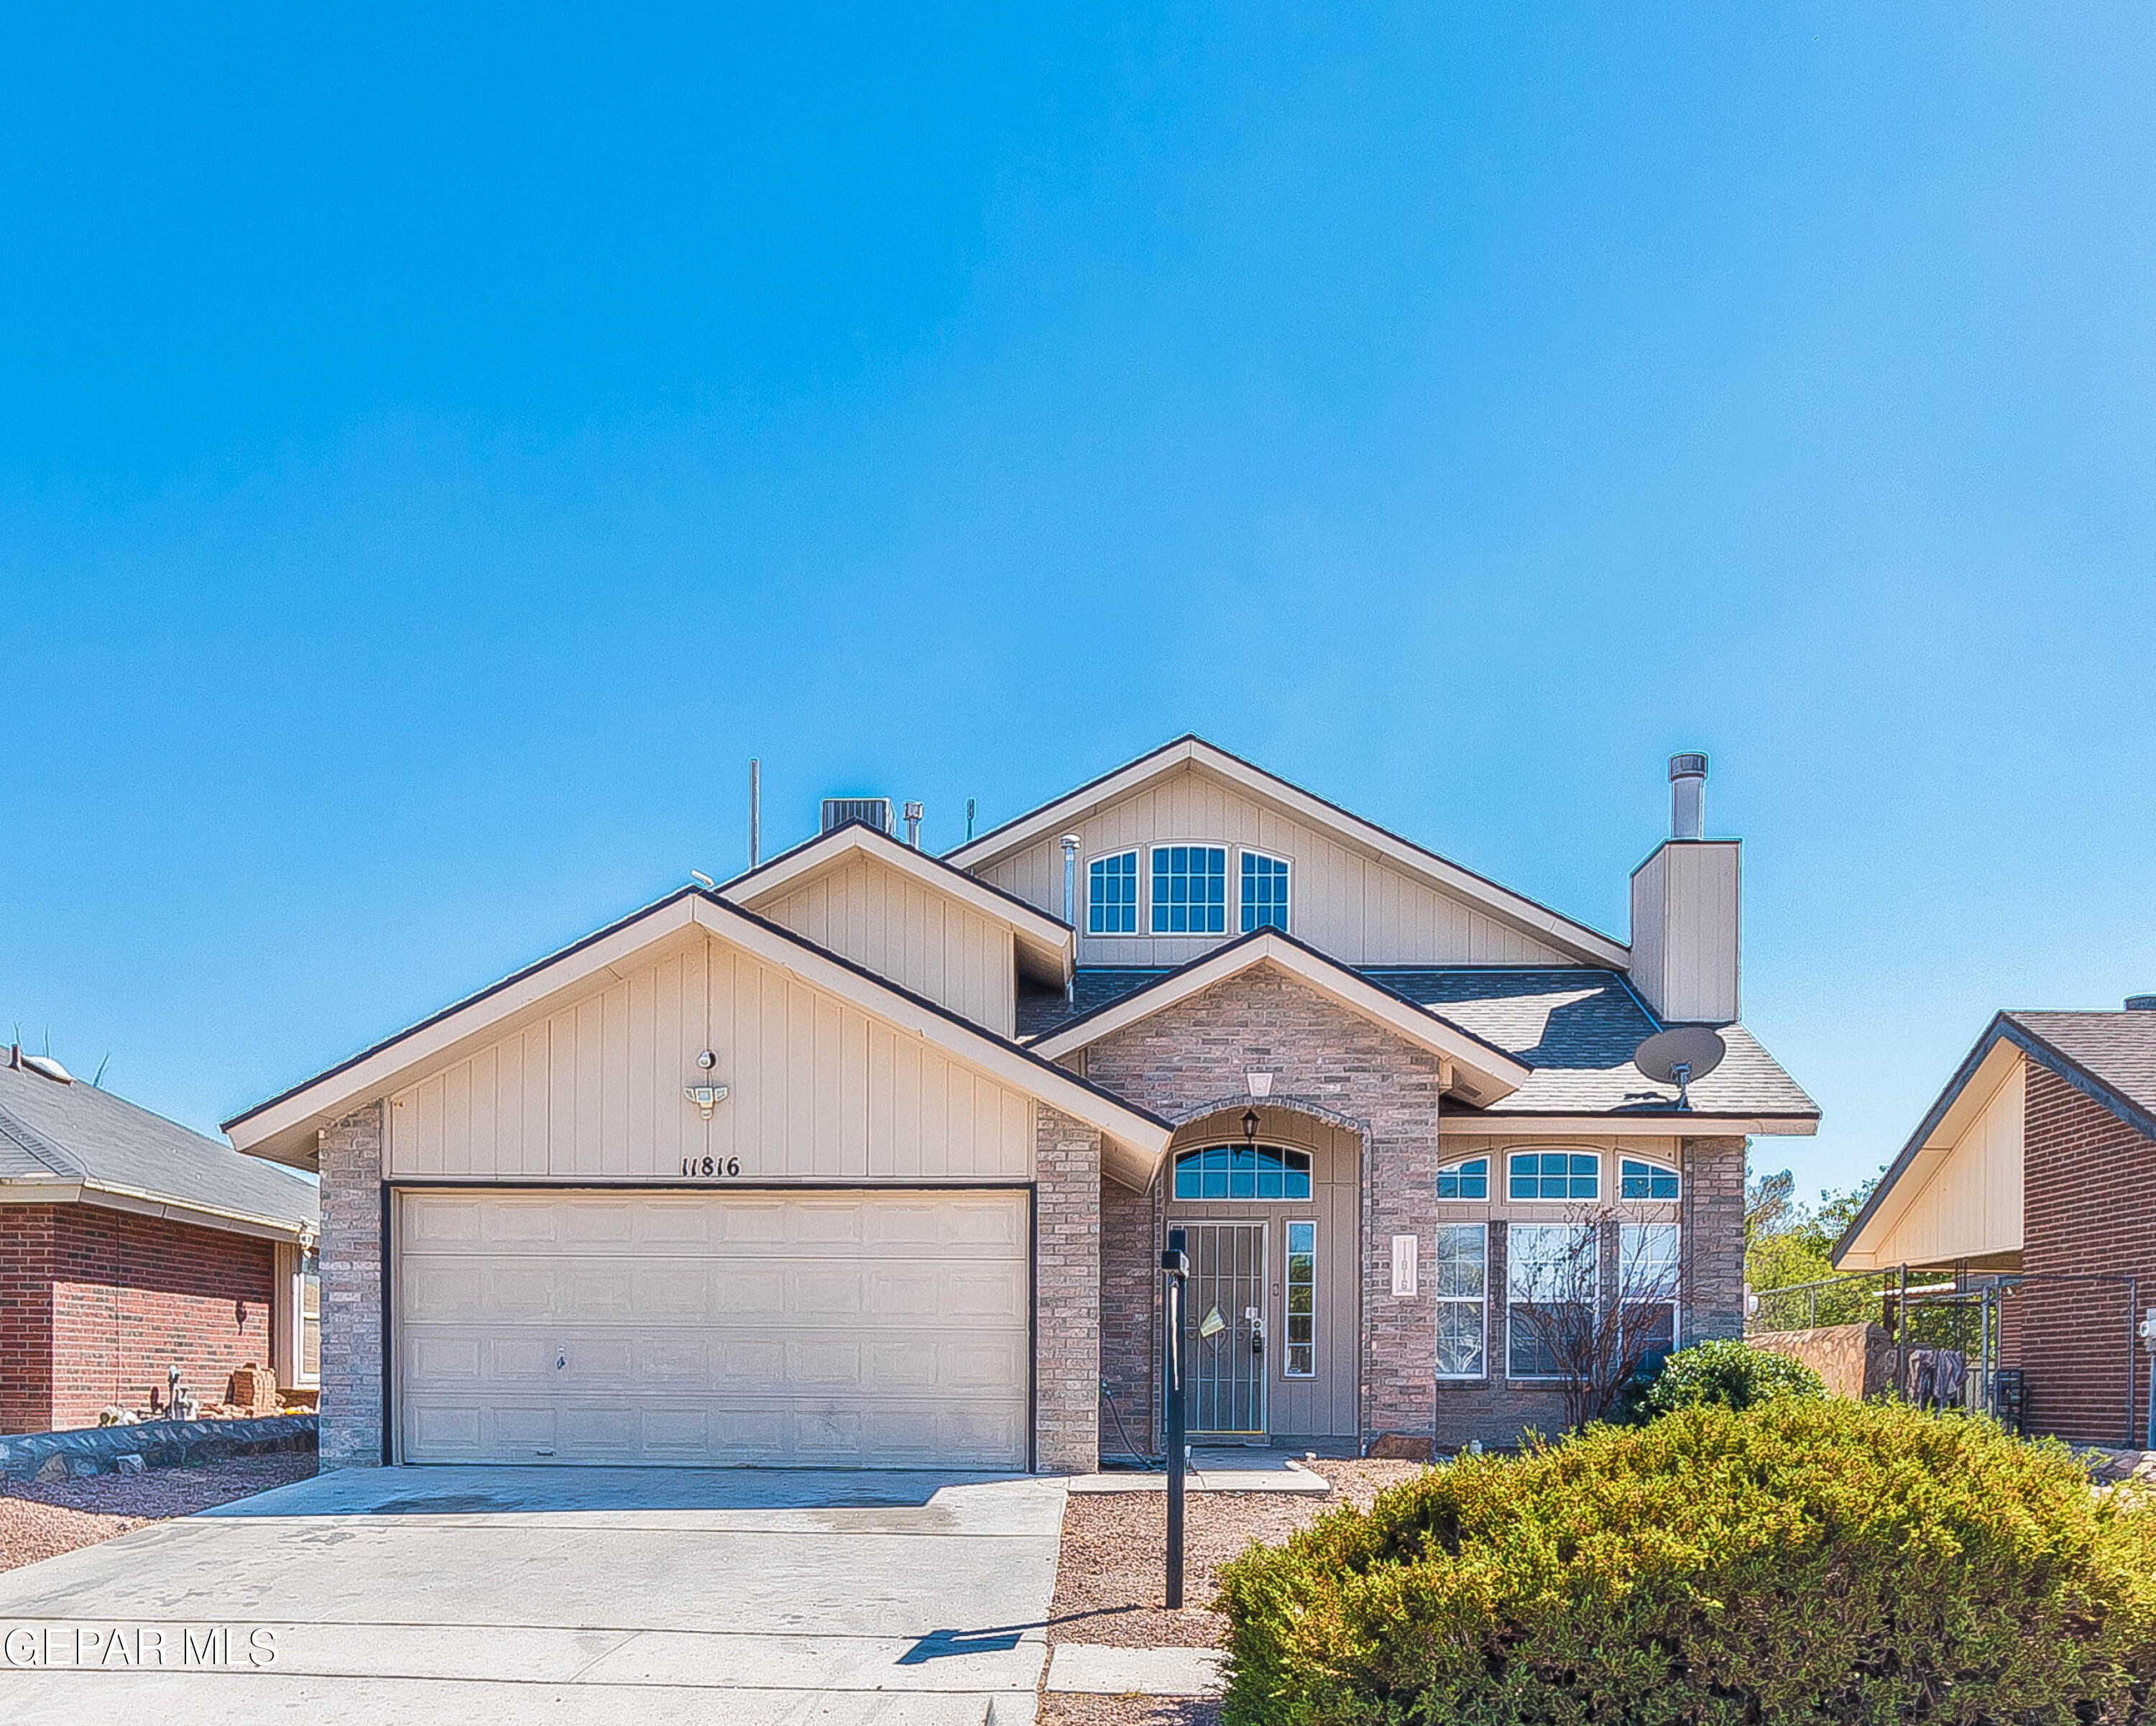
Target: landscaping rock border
(149,1444)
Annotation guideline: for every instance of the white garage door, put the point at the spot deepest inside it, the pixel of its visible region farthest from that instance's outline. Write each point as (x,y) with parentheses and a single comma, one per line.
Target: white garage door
(853,1328)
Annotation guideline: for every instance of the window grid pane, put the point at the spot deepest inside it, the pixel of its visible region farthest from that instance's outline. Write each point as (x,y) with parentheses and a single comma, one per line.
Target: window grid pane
(1645,1180)
(1553,1174)
(1242,1172)
(1553,1271)
(1112,906)
(1464,1180)
(1302,1301)
(1460,1276)
(1189,890)
(1264,892)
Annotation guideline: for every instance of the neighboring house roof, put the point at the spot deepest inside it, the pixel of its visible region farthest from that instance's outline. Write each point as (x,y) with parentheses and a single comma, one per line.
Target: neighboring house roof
(1045,943)
(67,1142)
(2109,1057)
(1574,1029)
(1590,945)
(285,1126)
(1496,1072)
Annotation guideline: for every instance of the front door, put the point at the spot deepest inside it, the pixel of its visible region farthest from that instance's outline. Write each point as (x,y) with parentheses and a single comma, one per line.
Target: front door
(1225,1314)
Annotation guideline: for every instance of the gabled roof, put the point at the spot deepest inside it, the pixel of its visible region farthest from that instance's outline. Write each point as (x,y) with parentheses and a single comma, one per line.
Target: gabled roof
(1590,945)
(74,1142)
(1495,1074)
(284,1127)
(1045,941)
(2108,1057)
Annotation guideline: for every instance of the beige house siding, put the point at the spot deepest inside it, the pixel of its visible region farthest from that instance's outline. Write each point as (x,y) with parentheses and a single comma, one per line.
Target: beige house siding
(1348,904)
(1970,1206)
(818,1089)
(1685,930)
(899,928)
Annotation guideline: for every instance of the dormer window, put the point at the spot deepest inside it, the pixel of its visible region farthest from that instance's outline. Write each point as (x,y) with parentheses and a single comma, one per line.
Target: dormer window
(1264,891)
(1189,890)
(1112,897)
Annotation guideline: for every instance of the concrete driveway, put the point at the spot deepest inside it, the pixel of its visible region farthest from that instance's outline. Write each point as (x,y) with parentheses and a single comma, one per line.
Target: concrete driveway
(605,1596)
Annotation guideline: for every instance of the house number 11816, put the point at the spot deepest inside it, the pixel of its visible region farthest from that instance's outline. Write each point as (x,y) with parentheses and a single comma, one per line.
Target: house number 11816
(723,1168)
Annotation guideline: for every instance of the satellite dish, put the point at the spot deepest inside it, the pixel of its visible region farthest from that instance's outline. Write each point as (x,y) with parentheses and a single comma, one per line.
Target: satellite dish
(1678,1057)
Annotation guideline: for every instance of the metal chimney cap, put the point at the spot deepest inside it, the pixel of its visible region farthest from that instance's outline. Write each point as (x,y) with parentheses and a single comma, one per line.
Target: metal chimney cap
(1687,766)
(2141,1003)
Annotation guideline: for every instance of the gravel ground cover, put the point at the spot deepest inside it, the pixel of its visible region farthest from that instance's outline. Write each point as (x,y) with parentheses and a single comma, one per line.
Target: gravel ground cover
(1128,1711)
(42,1522)
(1108,1581)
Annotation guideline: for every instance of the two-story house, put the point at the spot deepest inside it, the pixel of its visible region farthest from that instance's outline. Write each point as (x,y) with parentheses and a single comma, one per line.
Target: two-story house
(867,1157)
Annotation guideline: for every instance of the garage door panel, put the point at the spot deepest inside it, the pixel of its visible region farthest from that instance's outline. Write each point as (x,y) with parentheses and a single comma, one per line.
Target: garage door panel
(848,1330)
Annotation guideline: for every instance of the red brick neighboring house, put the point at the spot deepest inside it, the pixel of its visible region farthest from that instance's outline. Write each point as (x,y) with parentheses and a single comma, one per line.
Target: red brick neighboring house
(129,1246)
(2036,1168)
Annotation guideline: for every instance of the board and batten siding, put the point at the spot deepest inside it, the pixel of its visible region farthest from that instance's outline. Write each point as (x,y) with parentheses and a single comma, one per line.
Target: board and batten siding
(819,1090)
(1349,905)
(921,940)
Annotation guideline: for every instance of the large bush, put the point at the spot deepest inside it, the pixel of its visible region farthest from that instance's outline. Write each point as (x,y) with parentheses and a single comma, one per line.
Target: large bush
(1808,1561)
(1727,1373)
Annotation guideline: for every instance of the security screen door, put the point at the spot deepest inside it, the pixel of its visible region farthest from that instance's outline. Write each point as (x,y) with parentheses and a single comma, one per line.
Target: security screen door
(1227,1382)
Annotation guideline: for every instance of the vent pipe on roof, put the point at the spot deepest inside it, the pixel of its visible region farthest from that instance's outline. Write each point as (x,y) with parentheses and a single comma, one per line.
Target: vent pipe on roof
(755,811)
(1070,844)
(913,813)
(2141,1003)
(1687,797)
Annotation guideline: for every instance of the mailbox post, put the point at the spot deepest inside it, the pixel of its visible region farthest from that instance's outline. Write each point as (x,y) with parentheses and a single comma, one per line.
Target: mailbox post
(1175,1268)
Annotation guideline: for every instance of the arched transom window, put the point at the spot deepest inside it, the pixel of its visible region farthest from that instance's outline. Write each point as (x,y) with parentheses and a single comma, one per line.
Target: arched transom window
(1242,1172)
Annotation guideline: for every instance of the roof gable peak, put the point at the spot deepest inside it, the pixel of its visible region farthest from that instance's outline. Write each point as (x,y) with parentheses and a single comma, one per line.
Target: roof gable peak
(1190,751)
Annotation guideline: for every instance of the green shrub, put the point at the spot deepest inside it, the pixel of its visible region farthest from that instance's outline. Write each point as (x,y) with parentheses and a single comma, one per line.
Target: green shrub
(1806,1560)
(1727,1373)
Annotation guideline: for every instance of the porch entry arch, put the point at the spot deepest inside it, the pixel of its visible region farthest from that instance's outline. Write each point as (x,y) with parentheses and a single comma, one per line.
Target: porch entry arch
(1279,1260)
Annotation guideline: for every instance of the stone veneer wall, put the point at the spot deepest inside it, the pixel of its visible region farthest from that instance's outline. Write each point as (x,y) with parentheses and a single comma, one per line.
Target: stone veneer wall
(1067,1193)
(1854,1360)
(351,1254)
(1189,1057)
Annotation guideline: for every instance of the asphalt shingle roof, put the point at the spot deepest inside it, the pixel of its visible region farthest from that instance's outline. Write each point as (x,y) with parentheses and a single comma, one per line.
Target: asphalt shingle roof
(49,1131)
(1575,1026)
(2117,1048)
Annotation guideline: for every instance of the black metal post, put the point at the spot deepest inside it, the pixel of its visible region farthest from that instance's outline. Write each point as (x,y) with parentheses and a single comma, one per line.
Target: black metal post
(1175,1266)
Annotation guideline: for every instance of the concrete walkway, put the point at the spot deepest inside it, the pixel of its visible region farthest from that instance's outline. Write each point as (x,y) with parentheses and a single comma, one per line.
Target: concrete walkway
(521,1595)
(1094,1669)
(1242,1469)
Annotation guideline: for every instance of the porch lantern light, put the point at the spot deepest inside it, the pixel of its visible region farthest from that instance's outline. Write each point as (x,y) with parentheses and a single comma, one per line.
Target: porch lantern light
(1250,1125)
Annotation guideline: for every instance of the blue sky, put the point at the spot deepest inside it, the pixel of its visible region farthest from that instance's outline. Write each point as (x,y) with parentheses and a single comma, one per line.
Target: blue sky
(438,448)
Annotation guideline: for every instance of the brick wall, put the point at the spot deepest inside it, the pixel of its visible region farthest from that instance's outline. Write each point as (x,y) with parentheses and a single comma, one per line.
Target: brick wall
(25,1317)
(350,1255)
(1195,1054)
(134,1295)
(1714,1238)
(1130,1334)
(2089,1206)
(1066,1293)
(95,1305)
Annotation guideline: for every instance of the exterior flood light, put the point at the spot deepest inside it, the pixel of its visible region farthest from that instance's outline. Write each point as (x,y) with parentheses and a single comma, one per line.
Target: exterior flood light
(706,1097)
